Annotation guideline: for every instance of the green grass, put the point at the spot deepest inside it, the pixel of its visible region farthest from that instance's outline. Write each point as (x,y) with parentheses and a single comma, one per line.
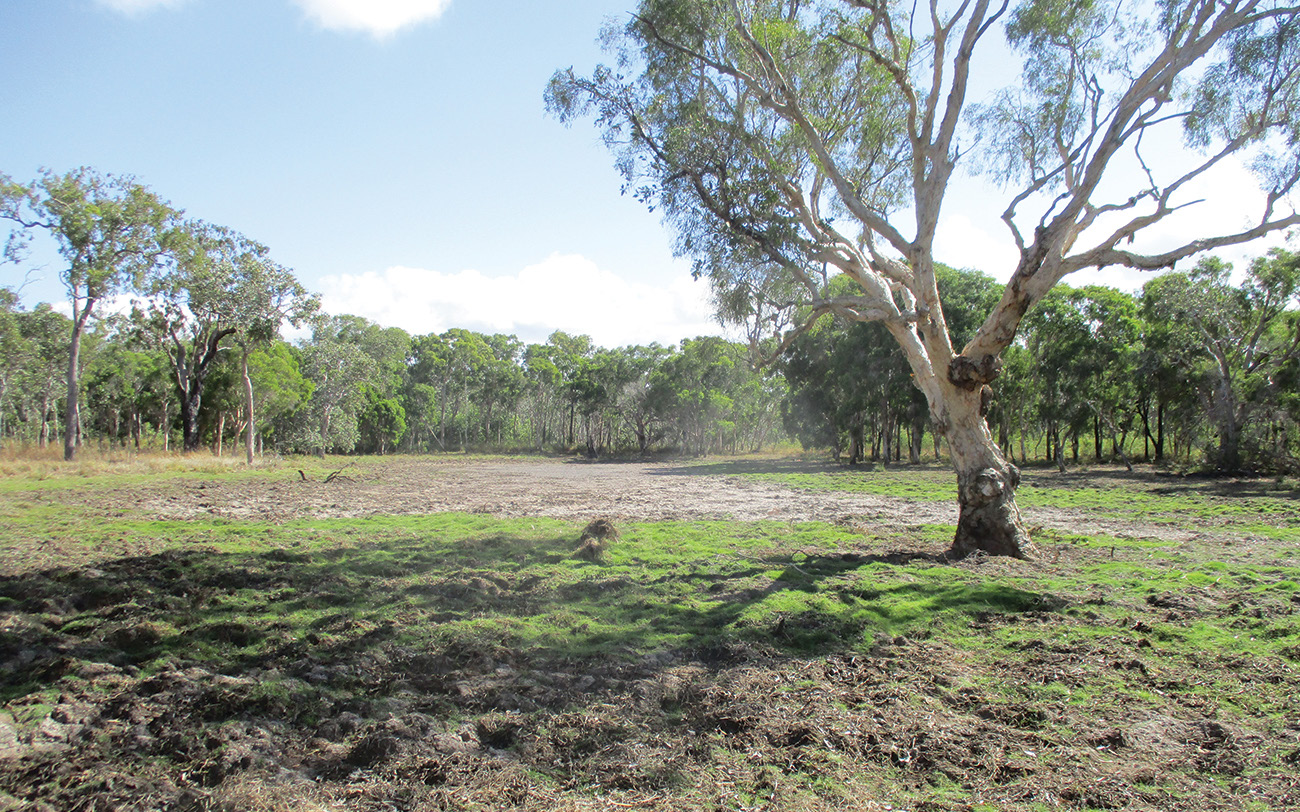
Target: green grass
(1044,653)
(1262,508)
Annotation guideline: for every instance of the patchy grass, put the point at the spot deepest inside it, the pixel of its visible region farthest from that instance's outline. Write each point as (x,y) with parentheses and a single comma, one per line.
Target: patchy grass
(462,661)
(1263,507)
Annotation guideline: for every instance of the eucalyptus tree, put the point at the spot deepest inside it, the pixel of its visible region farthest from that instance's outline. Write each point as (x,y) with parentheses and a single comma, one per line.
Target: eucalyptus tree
(109,230)
(118,380)
(1060,339)
(500,383)
(381,421)
(542,379)
(570,354)
(790,141)
(280,388)
(695,392)
(45,332)
(217,284)
(1237,338)
(14,350)
(462,356)
(337,368)
(637,366)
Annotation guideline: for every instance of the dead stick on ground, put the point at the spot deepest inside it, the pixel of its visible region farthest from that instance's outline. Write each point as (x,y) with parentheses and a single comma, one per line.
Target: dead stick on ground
(652,799)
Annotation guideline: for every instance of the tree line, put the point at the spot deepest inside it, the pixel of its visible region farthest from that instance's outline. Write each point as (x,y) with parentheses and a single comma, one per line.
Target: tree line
(199,355)
(353,386)
(1199,368)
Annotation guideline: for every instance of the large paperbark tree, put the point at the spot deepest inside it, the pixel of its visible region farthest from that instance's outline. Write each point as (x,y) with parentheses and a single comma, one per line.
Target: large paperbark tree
(788,141)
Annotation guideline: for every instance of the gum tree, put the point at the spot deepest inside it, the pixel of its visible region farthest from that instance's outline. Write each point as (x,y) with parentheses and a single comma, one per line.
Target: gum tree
(1237,340)
(217,285)
(791,141)
(110,231)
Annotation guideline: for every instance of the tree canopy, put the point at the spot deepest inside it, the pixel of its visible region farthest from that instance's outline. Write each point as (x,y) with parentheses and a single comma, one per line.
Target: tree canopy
(789,142)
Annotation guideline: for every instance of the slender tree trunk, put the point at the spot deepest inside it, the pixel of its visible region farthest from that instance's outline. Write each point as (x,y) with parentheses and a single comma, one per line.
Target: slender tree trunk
(43,439)
(1020,429)
(248,406)
(221,431)
(1147,437)
(72,413)
(1160,430)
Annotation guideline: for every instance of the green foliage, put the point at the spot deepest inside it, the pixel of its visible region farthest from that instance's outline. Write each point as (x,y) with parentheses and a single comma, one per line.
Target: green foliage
(1235,344)
(851,385)
(110,231)
(382,422)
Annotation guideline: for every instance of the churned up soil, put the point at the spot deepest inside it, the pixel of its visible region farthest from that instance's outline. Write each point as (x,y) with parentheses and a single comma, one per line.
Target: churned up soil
(278,642)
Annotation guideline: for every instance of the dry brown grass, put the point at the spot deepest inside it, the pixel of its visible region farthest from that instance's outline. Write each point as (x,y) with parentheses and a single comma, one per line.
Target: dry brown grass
(32,462)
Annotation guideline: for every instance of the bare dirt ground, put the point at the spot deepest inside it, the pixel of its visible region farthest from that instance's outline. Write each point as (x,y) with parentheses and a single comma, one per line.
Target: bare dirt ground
(1086,712)
(569,489)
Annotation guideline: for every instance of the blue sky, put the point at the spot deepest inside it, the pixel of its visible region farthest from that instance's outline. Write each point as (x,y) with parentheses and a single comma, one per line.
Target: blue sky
(411,176)
(395,153)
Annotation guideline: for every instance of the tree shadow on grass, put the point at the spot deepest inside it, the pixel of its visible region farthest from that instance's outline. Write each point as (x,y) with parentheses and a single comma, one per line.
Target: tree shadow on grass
(1146,479)
(374,618)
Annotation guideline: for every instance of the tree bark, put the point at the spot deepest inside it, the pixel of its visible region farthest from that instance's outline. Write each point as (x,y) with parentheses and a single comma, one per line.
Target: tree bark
(1160,431)
(190,403)
(72,415)
(189,385)
(44,437)
(989,520)
(248,406)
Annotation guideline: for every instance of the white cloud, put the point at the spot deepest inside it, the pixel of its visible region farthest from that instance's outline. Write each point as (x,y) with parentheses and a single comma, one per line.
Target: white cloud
(563,292)
(379,18)
(962,243)
(138,6)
